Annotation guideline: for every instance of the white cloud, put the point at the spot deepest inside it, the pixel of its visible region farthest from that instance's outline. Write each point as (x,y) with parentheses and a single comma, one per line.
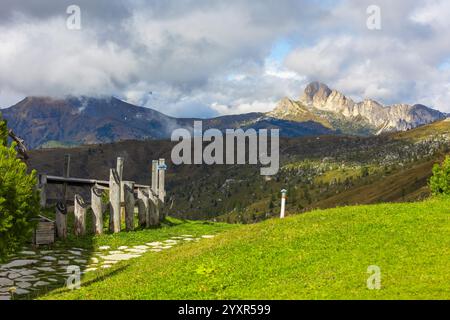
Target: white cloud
(392,65)
(45,58)
(244,107)
(434,14)
(204,58)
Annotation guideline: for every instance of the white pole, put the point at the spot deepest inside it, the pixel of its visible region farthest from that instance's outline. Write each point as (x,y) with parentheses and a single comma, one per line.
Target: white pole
(283,203)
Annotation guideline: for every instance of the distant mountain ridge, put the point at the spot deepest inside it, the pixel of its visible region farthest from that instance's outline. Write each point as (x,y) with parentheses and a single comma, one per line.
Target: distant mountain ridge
(41,120)
(337,111)
(51,122)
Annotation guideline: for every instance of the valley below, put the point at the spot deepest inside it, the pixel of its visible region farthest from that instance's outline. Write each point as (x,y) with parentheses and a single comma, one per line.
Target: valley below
(318,172)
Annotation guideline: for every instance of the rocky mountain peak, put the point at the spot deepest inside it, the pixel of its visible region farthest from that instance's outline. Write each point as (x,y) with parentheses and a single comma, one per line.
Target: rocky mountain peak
(331,104)
(315,91)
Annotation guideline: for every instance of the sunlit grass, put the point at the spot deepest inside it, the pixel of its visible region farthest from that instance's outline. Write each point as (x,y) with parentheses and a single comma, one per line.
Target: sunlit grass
(319,255)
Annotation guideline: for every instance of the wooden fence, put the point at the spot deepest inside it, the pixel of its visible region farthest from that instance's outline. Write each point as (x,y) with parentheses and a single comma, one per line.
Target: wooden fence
(124,197)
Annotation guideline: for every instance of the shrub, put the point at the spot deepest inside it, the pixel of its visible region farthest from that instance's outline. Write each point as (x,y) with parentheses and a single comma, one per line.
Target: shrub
(19,200)
(440,180)
(3,132)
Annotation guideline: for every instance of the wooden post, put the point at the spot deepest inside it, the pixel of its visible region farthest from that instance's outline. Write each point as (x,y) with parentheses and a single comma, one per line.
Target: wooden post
(154,218)
(122,201)
(66,174)
(114,200)
(128,187)
(97,209)
(61,220)
(143,207)
(119,168)
(161,189)
(80,216)
(161,173)
(42,187)
(155,164)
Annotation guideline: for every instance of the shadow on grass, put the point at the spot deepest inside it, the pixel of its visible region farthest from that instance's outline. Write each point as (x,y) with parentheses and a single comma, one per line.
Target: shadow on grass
(55,278)
(98,278)
(61,249)
(106,275)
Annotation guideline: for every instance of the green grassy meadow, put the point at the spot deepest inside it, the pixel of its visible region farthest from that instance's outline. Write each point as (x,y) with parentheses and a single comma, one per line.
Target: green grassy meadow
(322,254)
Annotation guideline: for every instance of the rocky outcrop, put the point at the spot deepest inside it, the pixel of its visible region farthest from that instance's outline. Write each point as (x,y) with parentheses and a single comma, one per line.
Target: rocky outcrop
(287,107)
(398,117)
(291,110)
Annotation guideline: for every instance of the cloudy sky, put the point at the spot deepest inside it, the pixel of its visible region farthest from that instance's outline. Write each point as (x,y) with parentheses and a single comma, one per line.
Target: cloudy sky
(205,58)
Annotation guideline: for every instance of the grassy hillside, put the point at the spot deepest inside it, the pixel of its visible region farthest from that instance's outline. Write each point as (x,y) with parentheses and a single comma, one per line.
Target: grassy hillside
(441,128)
(406,185)
(319,255)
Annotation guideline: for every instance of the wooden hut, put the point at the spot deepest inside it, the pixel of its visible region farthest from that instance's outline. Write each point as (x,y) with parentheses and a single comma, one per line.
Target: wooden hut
(44,233)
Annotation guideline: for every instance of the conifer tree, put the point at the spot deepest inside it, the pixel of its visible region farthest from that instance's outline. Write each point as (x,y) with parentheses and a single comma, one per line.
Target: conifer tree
(19,199)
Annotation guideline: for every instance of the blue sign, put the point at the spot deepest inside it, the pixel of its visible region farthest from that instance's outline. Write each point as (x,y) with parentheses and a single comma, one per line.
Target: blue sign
(162,167)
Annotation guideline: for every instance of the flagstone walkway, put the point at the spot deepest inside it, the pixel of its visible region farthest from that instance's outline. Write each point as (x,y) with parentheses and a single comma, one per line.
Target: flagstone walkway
(31,270)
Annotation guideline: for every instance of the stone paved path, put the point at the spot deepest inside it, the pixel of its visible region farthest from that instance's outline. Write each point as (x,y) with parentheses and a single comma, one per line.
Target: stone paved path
(31,270)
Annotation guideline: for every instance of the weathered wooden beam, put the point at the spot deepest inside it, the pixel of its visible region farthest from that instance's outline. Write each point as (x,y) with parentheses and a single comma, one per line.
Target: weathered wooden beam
(143,207)
(155,176)
(129,204)
(154,212)
(66,174)
(119,168)
(161,179)
(114,200)
(97,209)
(161,189)
(84,182)
(80,216)
(61,220)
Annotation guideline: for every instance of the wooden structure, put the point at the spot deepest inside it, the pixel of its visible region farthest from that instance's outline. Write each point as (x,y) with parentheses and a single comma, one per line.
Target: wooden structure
(61,220)
(114,201)
(124,196)
(44,233)
(97,209)
(80,216)
(128,190)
